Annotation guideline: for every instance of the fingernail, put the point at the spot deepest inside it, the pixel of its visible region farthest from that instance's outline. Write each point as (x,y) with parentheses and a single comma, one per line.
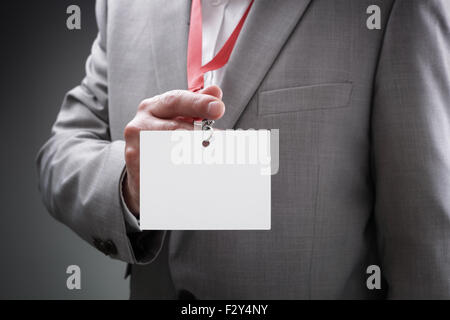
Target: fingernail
(215,108)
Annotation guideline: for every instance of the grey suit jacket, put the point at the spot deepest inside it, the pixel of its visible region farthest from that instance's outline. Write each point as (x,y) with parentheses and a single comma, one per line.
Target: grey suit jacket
(364,177)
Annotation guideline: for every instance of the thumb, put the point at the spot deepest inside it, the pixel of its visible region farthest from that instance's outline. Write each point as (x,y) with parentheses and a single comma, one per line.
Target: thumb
(214,91)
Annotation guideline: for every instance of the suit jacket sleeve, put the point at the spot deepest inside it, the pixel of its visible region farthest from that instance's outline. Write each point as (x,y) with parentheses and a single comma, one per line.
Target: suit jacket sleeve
(80,167)
(411,150)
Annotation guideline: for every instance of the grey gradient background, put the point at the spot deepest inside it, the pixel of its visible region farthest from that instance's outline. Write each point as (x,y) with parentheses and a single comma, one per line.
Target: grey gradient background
(40,61)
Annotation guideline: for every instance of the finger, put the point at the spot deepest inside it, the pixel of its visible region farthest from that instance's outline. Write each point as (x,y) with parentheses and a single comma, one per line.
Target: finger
(187,104)
(214,91)
(185,119)
(151,123)
(133,129)
(132,161)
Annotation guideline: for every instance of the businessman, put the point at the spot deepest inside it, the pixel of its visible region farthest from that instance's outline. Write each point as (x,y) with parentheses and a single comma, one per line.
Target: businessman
(364,119)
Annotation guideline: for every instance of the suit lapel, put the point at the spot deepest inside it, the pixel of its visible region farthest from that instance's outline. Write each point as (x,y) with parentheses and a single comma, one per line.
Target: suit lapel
(168,35)
(268,26)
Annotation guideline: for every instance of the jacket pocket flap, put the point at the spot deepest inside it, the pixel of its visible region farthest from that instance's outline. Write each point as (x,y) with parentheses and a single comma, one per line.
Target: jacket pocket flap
(315,97)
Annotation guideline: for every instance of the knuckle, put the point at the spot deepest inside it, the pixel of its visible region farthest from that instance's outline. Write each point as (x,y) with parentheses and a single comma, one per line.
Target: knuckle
(131,131)
(144,104)
(170,98)
(170,125)
(131,154)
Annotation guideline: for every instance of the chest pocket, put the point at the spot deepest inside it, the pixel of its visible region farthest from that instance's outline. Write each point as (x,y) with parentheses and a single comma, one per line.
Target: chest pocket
(305,98)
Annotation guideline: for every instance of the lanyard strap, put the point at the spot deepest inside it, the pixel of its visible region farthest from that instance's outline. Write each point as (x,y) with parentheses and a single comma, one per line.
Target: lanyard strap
(195,70)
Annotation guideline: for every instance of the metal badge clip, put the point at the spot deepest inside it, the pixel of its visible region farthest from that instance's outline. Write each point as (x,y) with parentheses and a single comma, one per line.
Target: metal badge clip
(205,125)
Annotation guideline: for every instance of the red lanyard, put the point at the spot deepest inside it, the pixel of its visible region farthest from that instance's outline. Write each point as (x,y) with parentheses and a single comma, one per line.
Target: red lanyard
(195,70)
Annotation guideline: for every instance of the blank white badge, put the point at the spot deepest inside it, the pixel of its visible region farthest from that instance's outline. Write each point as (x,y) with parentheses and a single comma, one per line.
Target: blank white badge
(187,186)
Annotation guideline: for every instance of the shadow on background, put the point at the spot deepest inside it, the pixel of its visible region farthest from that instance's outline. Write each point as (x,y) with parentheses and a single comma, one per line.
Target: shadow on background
(41,60)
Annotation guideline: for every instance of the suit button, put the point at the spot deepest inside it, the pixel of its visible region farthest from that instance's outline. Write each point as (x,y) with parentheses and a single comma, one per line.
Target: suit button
(107,247)
(110,248)
(185,295)
(98,244)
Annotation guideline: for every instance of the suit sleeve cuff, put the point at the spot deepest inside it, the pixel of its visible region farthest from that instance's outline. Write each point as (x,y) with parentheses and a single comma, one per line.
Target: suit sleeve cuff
(145,246)
(131,222)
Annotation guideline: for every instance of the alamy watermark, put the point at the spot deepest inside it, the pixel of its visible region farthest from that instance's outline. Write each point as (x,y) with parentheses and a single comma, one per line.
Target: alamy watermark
(73,281)
(373,282)
(374,20)
(228,147)
(73,21)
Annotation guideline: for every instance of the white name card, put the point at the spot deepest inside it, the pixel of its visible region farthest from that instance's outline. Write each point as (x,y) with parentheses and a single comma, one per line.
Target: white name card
(187,186)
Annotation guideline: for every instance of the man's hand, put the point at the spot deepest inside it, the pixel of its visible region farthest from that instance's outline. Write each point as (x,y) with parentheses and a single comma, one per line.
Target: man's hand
(170,111)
